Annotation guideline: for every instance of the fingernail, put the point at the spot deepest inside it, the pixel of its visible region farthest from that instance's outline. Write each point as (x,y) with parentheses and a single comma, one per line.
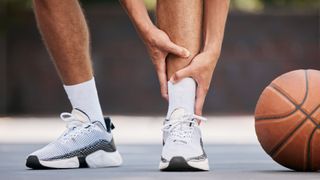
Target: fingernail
(171,80)
(187,53)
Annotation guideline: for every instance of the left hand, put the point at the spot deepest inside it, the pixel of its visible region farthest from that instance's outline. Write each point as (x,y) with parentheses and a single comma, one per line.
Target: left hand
(159,46)
(200,69)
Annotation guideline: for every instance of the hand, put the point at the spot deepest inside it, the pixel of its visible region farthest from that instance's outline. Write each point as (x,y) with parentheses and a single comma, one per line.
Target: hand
(200,69)
(159,46)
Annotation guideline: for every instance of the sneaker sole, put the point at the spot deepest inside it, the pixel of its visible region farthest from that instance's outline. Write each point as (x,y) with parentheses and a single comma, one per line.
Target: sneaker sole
(180,164)
(97,159)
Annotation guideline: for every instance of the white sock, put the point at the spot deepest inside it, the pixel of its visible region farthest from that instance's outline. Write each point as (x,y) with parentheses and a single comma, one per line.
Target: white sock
(182,95)
(84,96)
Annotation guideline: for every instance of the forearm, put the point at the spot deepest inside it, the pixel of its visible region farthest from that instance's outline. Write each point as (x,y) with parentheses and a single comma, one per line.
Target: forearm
(215,15)
(139,16)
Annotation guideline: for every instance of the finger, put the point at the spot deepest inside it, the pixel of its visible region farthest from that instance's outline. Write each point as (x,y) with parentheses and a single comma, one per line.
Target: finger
(182,73)
(200,98)
(177,50)
(162,76)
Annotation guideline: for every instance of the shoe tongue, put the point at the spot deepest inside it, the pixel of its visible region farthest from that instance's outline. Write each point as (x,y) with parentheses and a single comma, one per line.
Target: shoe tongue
(80,116)
(177,114)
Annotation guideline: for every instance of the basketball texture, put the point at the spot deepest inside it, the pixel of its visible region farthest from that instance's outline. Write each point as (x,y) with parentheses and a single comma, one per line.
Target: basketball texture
(287,120)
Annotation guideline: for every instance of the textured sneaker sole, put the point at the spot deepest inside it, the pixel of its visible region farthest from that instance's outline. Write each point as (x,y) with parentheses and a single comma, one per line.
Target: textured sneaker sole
(178,163)
(96,159)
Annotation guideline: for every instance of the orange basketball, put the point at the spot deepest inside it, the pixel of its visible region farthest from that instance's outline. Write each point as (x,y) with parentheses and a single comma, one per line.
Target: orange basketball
(287,120)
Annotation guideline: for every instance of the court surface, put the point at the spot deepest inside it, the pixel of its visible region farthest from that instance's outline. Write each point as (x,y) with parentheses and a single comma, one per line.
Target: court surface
(230,143)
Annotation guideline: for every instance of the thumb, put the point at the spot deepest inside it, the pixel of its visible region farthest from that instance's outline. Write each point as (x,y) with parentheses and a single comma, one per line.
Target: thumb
(177,50)
(182,73)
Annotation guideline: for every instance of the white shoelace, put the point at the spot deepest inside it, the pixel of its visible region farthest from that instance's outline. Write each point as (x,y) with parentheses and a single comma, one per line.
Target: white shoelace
(182,129)
(74,127)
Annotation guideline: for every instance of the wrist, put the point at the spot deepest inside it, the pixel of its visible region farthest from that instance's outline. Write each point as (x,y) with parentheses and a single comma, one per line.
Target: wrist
(212,51)
(144,27)
(212,46)
(147,32)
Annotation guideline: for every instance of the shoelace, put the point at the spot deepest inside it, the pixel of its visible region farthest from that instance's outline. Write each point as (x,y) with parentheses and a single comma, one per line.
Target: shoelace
(74,127)
(179,132)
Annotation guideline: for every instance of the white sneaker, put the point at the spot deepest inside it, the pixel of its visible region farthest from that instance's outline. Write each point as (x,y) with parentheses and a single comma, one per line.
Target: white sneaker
(83,144)
(182,143)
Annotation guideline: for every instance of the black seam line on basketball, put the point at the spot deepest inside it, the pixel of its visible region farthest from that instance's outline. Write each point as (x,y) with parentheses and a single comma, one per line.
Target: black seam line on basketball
(305,94)
(309,165)
(310,115)
(298,107)
(276,117)
(280,144)
(277,88)
(282,116)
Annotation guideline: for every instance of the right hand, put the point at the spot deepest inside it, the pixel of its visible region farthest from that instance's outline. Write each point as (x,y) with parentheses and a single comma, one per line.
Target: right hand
(159,46)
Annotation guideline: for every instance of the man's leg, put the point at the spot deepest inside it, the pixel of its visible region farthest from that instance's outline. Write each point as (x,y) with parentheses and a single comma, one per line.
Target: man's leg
(65,32)
(182,21)
(88,140)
